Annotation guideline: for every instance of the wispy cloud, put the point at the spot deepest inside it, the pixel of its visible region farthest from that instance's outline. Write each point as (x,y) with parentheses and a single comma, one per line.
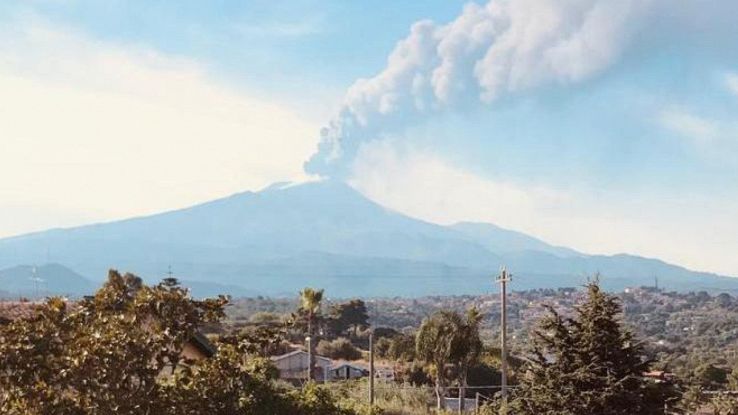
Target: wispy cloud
(712,138)
(701,130)
(731,81)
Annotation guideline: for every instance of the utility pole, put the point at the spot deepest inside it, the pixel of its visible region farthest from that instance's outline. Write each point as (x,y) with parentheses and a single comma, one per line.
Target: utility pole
(309,342)
(503,279)
(371,368)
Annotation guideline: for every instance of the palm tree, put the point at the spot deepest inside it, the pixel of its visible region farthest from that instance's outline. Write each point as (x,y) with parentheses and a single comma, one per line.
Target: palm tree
(310,304)
(470,349)
(438,343)
(446,338)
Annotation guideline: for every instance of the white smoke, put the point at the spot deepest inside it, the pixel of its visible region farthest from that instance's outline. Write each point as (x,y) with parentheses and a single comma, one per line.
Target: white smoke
(504,49)
(499,50)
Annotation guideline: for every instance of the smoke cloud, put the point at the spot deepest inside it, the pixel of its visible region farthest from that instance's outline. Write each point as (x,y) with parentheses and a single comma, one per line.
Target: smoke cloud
(506,48)
(487,53)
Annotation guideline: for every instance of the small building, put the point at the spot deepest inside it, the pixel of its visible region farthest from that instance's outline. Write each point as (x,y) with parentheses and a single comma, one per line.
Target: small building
(347,371)
(293,366)
(198,347)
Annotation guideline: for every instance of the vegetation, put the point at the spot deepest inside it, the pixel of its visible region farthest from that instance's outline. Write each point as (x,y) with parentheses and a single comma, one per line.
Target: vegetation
(309,312)
(587,364)
(347,316)
(120,352)
(311,301)
(340,348)
(447,338)
(679,332)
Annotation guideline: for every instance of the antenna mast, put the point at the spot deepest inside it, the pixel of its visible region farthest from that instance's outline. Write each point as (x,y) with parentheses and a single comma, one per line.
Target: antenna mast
(36,280)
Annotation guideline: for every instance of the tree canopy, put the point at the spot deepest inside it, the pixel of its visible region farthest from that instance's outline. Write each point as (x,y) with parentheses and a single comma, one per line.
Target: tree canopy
(351,314)
(121,352)
(587,364)
(448,338)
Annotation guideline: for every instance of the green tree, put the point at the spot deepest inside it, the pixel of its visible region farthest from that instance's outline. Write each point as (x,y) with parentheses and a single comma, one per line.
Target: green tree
(444,339)
(120,352)
(710,376)
(352,314)
(587,364)
(470,349)
(382,346)
(262,341)
(311,301)
(233,382)
(102,355)
(402,348)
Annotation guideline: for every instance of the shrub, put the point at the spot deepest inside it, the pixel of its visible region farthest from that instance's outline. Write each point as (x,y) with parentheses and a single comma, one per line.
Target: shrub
(341,348)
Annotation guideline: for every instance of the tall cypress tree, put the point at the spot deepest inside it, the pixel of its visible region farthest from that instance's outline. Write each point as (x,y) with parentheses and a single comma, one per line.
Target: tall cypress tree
(587,364)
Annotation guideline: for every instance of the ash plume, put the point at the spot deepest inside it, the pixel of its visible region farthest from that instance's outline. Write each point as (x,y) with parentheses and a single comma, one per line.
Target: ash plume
(489,52)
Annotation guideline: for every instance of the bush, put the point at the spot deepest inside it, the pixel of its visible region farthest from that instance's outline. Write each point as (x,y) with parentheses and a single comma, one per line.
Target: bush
(414,374)
(341,348)
(402,348)
(392,399)
(314,400)
(382,346)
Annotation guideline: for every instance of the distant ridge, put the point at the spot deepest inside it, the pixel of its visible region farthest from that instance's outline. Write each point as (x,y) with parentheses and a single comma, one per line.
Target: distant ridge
(44,280)
(326,234)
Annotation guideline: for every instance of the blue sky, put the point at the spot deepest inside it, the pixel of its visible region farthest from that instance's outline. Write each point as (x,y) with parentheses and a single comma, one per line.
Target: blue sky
(604,126)
(279,47)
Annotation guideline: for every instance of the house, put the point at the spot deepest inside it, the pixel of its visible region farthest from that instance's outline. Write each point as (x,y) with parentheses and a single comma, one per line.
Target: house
(347,370)
(199,347)
(293,366)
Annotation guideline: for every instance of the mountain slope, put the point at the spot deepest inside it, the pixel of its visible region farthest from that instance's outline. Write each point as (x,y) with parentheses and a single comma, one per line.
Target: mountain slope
(502,240)
(327,234)
(250,228)
(48,279)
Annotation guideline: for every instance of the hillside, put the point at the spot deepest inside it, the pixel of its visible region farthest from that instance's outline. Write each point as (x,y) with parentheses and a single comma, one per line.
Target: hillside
(49,279)
(327,234)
